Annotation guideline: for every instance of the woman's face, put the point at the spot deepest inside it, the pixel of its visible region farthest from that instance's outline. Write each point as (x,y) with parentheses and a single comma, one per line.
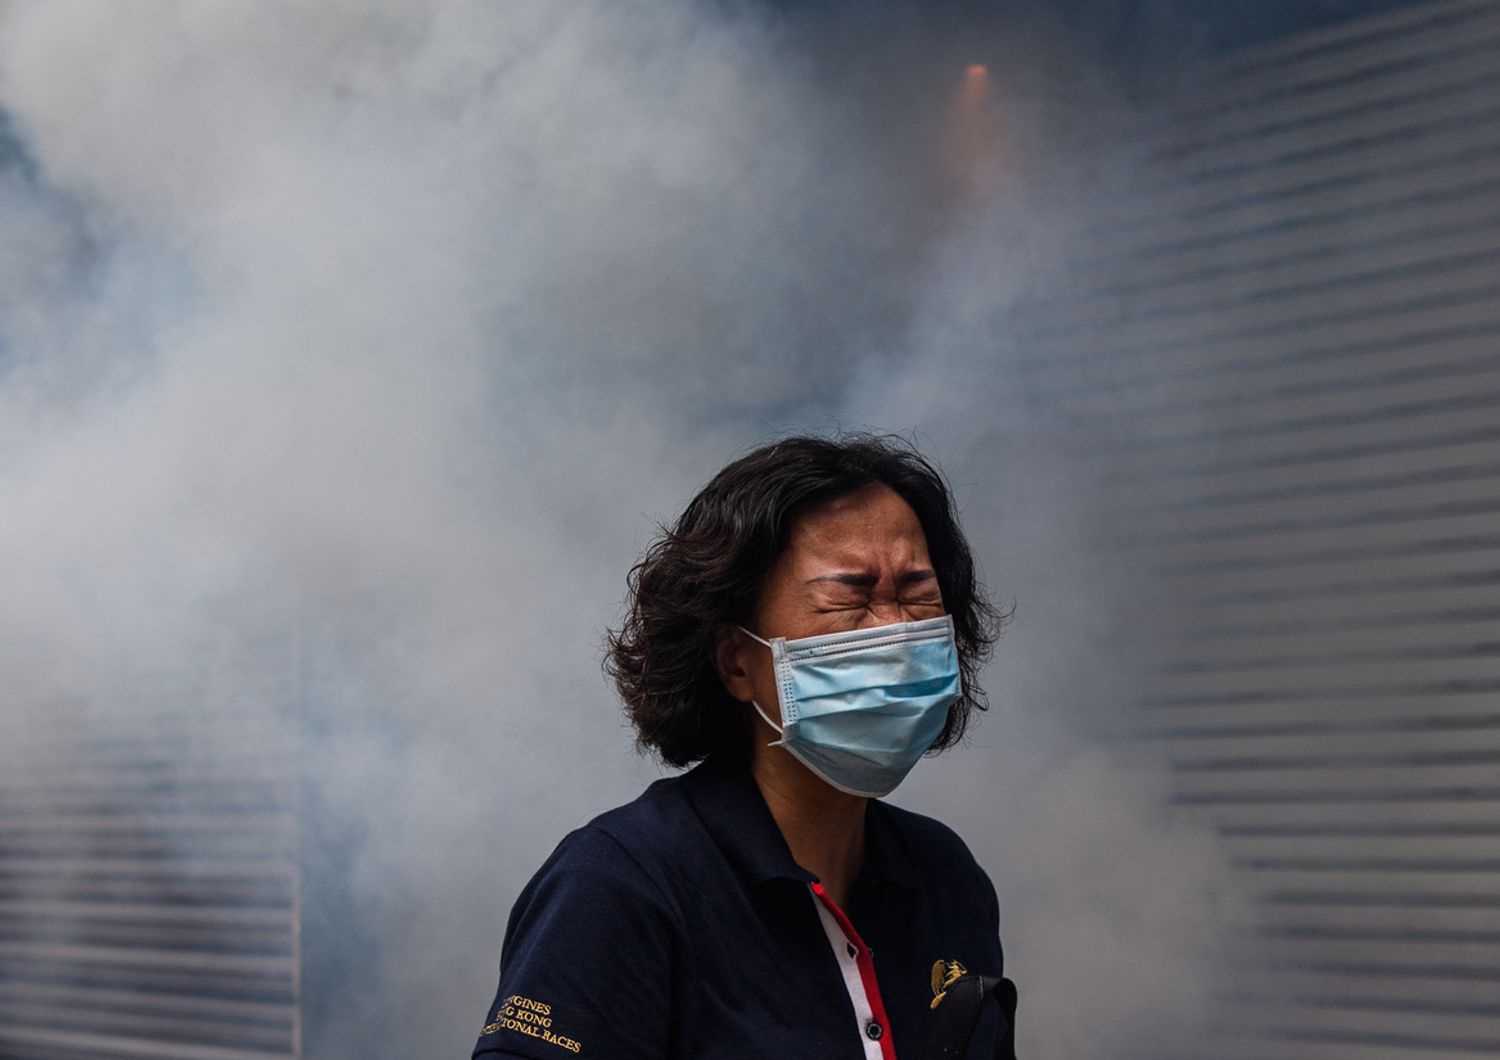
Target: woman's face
(850,563)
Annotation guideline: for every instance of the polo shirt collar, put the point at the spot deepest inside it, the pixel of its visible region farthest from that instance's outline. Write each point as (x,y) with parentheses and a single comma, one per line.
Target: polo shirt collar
(731,807)
(884,850)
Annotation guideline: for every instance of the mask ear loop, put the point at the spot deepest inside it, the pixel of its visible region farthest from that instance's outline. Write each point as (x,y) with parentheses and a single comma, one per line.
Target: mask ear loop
(752,636)
(768,721)
(764,717)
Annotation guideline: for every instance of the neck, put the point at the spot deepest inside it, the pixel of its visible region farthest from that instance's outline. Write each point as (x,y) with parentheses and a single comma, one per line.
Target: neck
(823,827)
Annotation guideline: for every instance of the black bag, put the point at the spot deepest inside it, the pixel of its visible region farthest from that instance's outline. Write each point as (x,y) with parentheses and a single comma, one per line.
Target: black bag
(956,1013)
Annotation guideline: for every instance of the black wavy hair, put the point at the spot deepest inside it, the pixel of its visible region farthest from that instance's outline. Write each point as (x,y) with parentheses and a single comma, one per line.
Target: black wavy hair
(704,574)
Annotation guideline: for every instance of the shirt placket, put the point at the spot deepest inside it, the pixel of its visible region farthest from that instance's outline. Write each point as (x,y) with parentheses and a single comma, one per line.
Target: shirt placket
(857,965)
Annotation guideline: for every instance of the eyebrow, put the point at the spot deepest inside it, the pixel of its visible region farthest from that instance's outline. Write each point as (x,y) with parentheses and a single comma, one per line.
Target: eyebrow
(866,580)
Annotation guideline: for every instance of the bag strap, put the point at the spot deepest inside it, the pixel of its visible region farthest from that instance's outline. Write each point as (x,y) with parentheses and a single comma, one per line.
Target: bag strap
(956,1014)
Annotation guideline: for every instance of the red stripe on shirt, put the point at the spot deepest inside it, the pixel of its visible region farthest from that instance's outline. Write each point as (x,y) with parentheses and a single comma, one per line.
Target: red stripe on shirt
(866,965)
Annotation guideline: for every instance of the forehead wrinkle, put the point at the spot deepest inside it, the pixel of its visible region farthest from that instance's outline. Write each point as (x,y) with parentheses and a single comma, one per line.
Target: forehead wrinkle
(856,559)
(872,532)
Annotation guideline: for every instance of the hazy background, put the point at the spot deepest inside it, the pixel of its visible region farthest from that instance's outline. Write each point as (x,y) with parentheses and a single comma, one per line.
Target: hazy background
(394,328)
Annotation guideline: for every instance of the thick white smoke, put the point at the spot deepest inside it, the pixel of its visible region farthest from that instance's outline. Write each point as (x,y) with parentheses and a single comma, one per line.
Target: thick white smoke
(392,327)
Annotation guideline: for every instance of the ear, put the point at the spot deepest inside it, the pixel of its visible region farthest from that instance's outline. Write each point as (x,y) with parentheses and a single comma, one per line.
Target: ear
(730,660)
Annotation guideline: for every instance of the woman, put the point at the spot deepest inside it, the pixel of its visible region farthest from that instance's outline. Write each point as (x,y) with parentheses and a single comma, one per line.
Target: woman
(808,629)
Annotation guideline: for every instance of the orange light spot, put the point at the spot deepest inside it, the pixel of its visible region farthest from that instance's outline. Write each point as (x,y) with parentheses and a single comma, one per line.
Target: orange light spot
(976,85)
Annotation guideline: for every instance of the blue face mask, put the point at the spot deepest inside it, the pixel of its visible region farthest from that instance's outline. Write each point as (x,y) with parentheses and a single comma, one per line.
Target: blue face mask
(859,709)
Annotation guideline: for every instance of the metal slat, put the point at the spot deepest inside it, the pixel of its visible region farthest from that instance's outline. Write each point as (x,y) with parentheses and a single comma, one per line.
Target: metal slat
(251,797)
(1289,146)
(1330,1042)
(17,992)
(1460,518)
(127,912)
(1431,99)
(1362,176)
(1458,814)
(220,938)
(1316,683)
(1292,652)
(189,866)
(174,1028)
(238,985)
(1431,89)
(1146,499)
(1401,1024)
(1380,29)
(1293,291)
(149,877)
(1393,781)
(50,1042)
(96,887)
(1238,614)
(1257,1044)
(1356,575)
(1396,712)
(1249,741)
(159,960)
(1229,384)
(63,841)
(1446,283)
(1258,82)
(1384,395)
(1443,922)
(1441,573)
(1430,195)
(254,766)
(1456,490)
(1272,248)
(1266,992)
(1226,352)
(1383,849)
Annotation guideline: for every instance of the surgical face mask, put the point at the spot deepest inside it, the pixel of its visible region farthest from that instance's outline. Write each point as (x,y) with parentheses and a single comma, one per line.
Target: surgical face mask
(859,709)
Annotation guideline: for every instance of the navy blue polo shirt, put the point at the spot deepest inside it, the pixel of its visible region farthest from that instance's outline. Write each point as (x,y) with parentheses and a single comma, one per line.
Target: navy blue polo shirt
(678,926)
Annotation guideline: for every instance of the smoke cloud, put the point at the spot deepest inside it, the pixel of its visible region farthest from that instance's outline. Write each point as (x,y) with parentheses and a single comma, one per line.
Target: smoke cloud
(389,330)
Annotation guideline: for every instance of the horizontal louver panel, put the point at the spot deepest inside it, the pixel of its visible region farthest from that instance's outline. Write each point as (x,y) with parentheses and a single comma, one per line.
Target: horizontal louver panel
(1286,342)
(149,871)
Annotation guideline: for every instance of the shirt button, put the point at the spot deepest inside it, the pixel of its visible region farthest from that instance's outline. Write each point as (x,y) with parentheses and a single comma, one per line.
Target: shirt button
(874,1030)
